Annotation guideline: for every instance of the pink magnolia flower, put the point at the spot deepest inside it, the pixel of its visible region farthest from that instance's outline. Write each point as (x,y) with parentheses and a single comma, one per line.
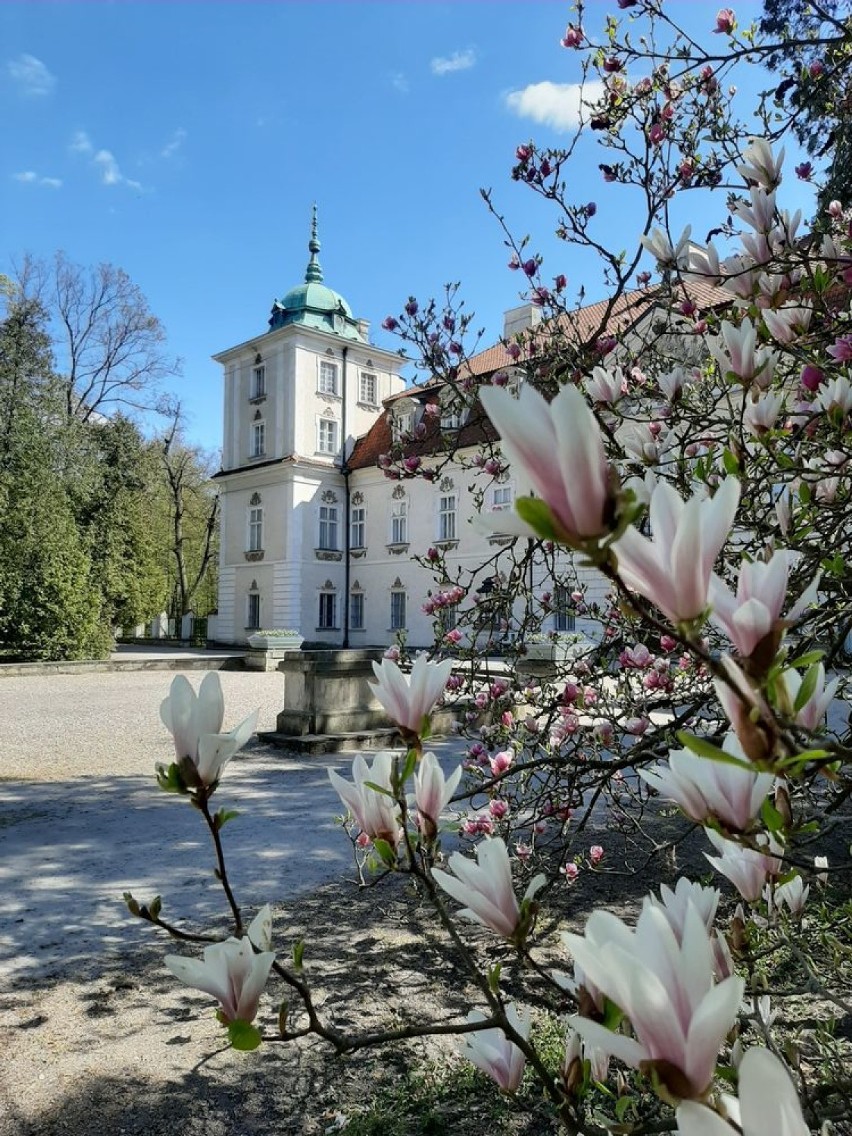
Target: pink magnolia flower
(726,21)
(793,895)
(410,700)
(570,871)
(673,569)
(746,868)
(746,710)
(195,721)
(755,611)
(739,355)
(492,1052)
(486,889)
(433,792)
(557,448)
(664,252)
(707,790)
(502,761)
(606,386)
(596,853)
(768,1104)
(665,988)
(231,972)
(374,812)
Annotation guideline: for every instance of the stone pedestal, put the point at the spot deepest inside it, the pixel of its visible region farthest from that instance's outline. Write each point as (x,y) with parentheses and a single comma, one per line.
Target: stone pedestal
(329,692)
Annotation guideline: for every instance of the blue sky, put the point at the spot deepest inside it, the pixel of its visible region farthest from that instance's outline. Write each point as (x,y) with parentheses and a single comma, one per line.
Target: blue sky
(186,142)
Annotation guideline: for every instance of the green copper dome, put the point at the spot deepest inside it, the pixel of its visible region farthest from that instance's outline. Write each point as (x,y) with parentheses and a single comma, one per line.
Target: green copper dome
(312,304)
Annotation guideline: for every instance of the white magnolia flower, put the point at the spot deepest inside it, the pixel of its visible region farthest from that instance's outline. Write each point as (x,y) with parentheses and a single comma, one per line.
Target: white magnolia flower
(793,895)
(763,412)
(433,792)
(666,990)
(676,903)
(195,721)
(667,255)
(260,929)
(231,972)
(375,812)
(492,1052)
(606,386)
(812,714)
(706,789)
(409,700)
(746,868)
(485,888)
(787,323)
(768,1104)
(761,165)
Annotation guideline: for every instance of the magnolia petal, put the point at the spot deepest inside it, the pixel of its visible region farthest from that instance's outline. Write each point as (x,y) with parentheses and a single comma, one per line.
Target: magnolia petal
(211,704)
(626,1049)
(699,1120)
(768,1100)
(260,929)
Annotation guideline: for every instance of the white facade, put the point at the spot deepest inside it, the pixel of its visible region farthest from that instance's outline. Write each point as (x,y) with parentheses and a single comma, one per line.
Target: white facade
(308,543)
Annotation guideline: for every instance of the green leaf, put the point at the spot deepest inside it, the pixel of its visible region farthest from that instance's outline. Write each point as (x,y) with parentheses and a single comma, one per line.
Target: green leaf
(243,1035)
(613,1015)
(155,907)
(771,817)
(730,462)
(494,977)
(536,513)
(298,953)
(378,789)
(808,659)
(223,816)
(132,905)
(807,688)
(408,767)
(386,854)
(703,748)
(169,778)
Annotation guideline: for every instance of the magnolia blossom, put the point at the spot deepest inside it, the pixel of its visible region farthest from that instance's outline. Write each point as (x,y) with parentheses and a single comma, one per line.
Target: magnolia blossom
(739,354)
(746,868)
(762,413)
(433,791)
(606,386)
(666,254)
(576,1052)
(761,165)
(793,895)
(665,988)
(557,448)
(671,383)
(675,904)
(409,700)
(195,721)
(768,1104)
(747,711)
(492,1052)
(812,714)
(231,972)
(673,569)
(374,812)
(486,887)
(706,789)
(788,323)
(755,611)
(835,395)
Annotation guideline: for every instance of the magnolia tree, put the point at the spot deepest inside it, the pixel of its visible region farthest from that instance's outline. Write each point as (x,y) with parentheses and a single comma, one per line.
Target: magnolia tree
(693,451)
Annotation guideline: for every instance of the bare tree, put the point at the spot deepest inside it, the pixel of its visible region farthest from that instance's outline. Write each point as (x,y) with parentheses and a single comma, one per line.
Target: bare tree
(109,346)
(194,509)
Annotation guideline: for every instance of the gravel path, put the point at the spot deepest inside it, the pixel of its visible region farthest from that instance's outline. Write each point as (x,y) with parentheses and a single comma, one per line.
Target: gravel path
(100,1040)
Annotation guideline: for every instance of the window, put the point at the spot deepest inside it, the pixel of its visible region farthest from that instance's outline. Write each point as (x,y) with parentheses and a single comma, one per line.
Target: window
(255,530)
(399,522)
(328,526)
(356,611)
(563,619)
(397,611)
(447,517)
(258,382)
(367,389)
(327,611)
(358,528)
(450,418)
(327,441)
(327,377)
(258,439)
(253,611)
(502,499)
(448,617)
(400,426)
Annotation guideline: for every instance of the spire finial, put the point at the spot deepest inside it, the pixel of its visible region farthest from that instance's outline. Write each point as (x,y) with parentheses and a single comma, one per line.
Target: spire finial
(313,275)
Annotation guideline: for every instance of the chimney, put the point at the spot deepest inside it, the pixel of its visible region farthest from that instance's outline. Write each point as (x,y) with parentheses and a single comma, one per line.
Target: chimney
(517,320)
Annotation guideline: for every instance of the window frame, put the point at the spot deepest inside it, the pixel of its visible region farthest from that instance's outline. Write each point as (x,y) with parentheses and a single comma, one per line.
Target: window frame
(254,536)
(327,613)
(331,424)
(356,611)
(323,387)
(564,616)
(368,377)
(448,517)
(399,521)
(329,528)
(398,609)
(252,611)
(258,381)
(258,439)
(358,526)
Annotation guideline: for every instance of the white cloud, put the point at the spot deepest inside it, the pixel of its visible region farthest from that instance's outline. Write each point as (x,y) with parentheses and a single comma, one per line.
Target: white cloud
(174,144)
(30,177)
(560,105)
(104,161)
(31,75)
(458,61)
(80,143)
(399,83)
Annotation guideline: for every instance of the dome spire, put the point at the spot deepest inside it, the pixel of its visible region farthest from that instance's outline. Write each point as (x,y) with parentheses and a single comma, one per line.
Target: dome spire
(313,274)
